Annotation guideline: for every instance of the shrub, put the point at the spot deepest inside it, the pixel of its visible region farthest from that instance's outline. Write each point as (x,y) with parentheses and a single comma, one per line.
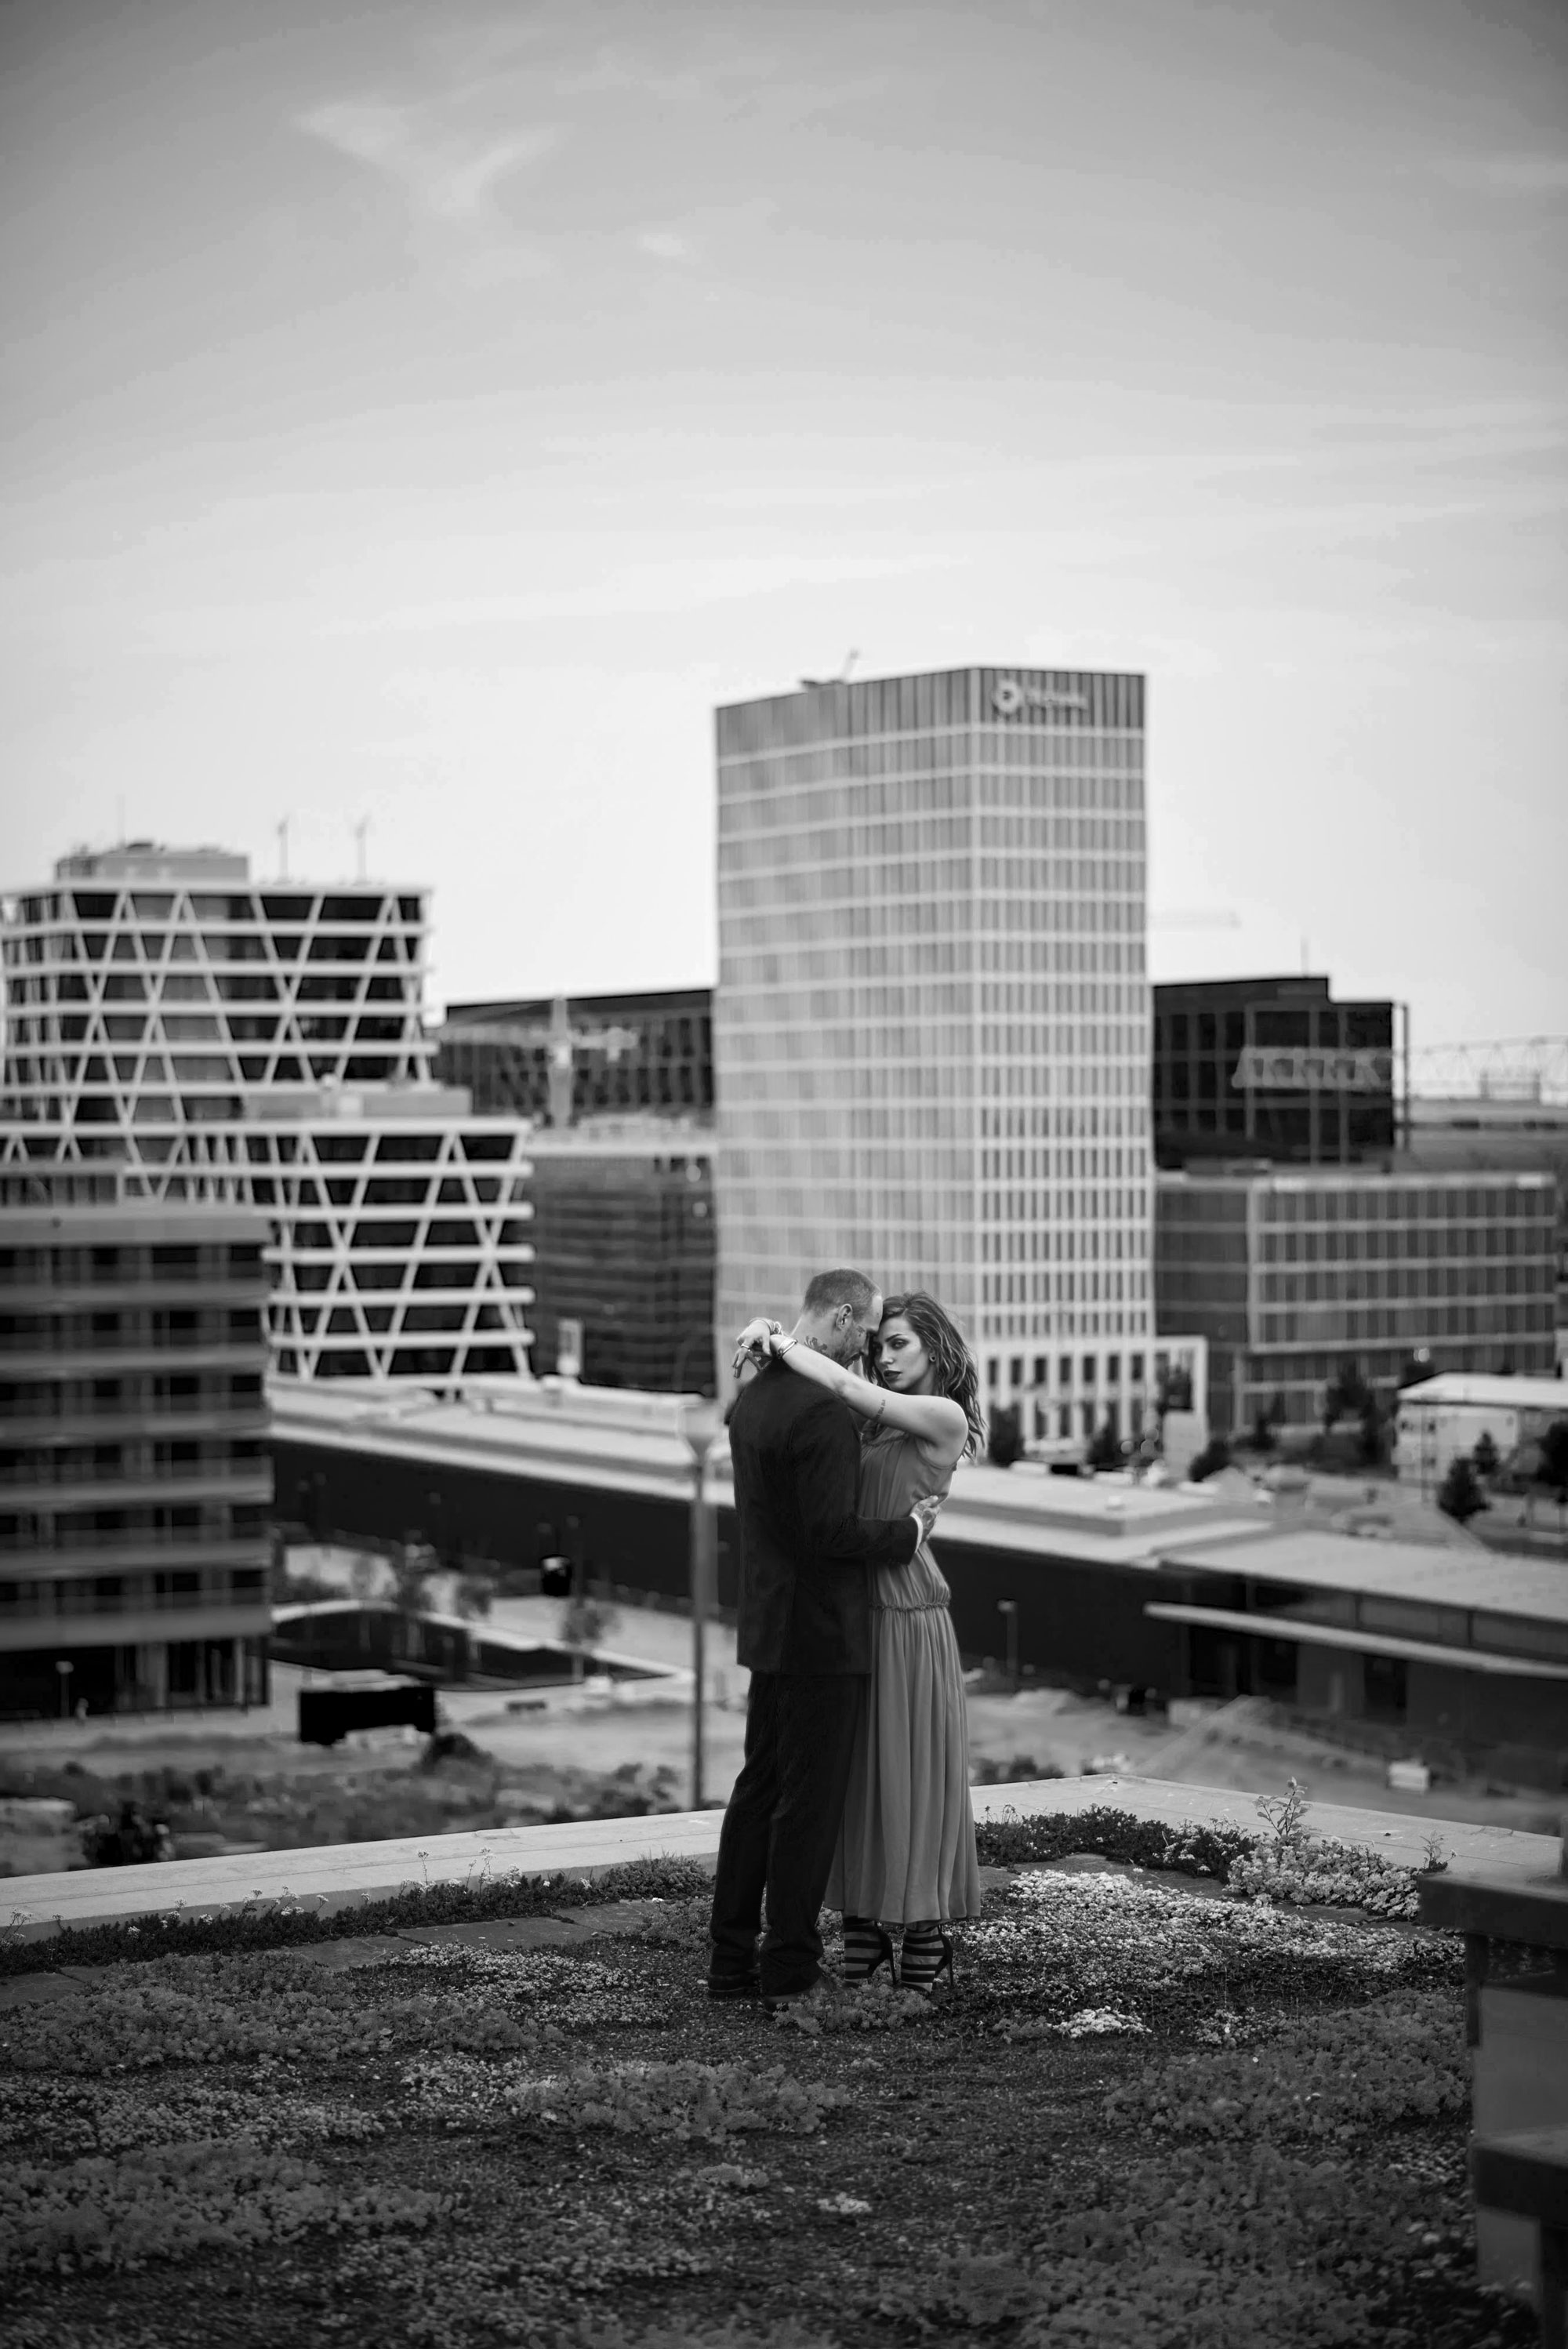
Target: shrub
(1188,1849)
(682,2100)
(286,1923)
(169,2200)
(1460,1495)
(1328,2077)
(1105,1450)
(1005,1439)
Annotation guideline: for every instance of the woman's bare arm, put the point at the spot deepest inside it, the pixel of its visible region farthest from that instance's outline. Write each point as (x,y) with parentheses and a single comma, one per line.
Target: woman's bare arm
(938,1423)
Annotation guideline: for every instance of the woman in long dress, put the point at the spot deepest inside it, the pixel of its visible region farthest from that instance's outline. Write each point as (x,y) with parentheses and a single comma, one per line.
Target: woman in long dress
(906,1850)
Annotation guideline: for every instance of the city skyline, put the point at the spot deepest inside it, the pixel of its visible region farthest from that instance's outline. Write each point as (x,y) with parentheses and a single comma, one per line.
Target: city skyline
(435,422)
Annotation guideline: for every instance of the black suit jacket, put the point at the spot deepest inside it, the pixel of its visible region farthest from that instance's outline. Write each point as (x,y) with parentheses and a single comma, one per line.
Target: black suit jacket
(806,1557)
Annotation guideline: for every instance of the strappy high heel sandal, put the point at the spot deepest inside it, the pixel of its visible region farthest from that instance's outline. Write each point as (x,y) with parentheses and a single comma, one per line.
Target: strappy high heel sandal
(867,1950)
(927,1959)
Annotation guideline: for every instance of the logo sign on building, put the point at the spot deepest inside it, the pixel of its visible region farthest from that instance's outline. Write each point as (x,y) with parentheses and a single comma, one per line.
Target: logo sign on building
(1261,1070)
(1010,698)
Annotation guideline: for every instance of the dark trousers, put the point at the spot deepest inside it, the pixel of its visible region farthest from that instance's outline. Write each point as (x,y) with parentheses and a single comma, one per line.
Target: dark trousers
(782,1825)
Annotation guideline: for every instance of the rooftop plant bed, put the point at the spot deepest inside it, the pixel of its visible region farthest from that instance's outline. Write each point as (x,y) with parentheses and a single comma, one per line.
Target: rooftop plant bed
(1282,1862)
(1148,2118)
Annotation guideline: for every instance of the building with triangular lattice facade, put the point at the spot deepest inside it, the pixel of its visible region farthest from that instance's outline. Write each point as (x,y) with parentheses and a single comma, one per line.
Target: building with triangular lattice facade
(265,1043)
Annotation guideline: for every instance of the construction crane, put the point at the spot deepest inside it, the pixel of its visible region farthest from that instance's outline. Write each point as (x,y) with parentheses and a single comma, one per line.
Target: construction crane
(1506,1068)
(561,1041)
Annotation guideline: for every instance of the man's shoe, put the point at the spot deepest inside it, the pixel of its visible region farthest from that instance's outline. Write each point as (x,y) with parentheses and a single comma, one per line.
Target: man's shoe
(733,1986)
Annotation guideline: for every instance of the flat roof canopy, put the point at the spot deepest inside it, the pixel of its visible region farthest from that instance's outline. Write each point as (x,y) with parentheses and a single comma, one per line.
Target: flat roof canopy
(1365,1643)
(1482,1393)
(1533,1587)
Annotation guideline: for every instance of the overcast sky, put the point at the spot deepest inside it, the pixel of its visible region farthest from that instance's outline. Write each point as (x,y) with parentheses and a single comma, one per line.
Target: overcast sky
(427,415)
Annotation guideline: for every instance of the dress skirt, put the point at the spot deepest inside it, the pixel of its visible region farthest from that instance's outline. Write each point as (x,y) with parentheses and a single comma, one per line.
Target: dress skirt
(906,1849)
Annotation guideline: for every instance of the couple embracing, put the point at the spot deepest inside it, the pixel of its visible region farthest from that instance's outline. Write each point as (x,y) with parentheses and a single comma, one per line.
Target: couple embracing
(855,1784)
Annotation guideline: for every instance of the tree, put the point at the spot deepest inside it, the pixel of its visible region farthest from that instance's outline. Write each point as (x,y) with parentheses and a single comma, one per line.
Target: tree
(1460,1495)
(412,1566)
(1347,1397)
(1105,1451)
(474,1595)
(1372,1433)
(1005,1442)
(1553,1469)
(1485,1459)
(1215,1455)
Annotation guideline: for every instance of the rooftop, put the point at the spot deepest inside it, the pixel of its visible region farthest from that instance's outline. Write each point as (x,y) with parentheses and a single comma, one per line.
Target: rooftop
(1247,1174)
(1482,1393)
(1536,1588)
(493,2096)
(627,1441)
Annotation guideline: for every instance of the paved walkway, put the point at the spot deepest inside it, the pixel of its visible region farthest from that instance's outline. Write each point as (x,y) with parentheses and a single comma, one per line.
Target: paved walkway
(332,1876)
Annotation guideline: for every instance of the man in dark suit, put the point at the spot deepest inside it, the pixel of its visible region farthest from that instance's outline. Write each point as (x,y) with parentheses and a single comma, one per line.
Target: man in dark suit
(806,1560)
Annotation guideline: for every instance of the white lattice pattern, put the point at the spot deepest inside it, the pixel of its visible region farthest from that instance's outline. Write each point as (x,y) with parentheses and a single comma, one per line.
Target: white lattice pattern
(166,1005)
(265,1045)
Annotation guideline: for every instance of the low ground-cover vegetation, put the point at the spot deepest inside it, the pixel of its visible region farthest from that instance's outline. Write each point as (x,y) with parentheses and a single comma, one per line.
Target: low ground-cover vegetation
(1148,2116)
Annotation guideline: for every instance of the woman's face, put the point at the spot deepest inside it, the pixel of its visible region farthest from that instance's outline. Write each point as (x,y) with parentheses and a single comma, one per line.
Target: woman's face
(902,1361)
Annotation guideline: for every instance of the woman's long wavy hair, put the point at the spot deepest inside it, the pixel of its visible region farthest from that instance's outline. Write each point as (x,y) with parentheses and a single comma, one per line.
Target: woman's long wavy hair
(956,1376)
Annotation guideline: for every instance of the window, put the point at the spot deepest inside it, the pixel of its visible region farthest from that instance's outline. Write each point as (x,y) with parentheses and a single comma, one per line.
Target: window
(1387,1684)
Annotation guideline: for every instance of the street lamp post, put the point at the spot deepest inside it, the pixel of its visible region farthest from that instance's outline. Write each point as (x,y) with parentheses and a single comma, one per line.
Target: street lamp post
(64,1671)
(1009,1610)
(701,1420)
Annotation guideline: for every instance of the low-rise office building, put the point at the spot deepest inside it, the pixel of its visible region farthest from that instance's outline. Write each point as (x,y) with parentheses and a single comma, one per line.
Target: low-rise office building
(1091,1581)
(135,1476)
(1442,1420)
(1519,1126)
(1293,1273)
(1461,1656)
(563,1059)
(1272,1068)
(624,1254)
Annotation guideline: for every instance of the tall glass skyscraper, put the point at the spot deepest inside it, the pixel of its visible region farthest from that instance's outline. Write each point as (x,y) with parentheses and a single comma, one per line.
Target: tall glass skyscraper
(931,1034)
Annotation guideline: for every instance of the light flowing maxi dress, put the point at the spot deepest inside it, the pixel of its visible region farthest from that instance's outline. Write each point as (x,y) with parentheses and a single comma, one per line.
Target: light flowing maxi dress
(906,1849)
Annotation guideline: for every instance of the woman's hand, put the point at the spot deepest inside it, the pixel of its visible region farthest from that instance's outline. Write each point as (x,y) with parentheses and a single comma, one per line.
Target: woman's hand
(751,1346)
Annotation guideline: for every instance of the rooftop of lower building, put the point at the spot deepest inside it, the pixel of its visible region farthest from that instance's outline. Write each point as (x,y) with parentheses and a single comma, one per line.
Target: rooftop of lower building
(1315,1559)
(1482,1393)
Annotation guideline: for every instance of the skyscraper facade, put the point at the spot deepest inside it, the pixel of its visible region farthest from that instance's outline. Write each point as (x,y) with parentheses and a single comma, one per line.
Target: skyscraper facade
(931,1034)
(264,1045)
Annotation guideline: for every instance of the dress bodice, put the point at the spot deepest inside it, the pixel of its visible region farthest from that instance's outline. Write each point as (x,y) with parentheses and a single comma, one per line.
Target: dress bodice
(895,1473)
